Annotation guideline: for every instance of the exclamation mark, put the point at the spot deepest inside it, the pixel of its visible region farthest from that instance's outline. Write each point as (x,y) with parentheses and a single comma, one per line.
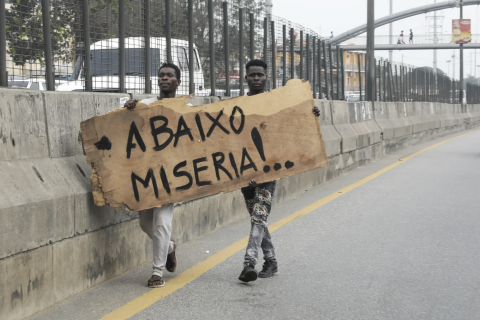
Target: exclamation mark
(257,140)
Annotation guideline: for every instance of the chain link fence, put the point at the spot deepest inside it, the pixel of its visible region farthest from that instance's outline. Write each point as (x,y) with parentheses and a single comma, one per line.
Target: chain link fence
(103,46)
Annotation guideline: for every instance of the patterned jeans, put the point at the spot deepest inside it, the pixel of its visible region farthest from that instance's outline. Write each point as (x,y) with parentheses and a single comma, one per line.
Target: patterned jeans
(259,204)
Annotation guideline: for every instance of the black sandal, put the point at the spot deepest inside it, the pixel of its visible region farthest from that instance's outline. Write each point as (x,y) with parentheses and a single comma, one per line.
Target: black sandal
(157,282)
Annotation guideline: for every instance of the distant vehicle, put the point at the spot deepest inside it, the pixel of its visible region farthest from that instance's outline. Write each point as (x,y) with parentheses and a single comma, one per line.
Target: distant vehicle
(31,83)
(353,97)
(21,82)
(104,56)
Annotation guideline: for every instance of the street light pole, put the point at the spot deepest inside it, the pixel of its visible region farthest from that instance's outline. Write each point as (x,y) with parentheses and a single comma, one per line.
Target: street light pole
(461,61)
(371,49)
(390,53)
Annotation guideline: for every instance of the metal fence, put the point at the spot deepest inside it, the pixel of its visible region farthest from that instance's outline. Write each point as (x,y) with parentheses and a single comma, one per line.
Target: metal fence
(103,46)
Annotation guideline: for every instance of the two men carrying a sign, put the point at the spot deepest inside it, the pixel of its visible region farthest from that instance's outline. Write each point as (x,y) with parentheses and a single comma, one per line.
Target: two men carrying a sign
(157,223)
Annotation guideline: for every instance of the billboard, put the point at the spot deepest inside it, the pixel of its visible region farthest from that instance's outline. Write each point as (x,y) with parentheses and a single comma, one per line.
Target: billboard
(461,31)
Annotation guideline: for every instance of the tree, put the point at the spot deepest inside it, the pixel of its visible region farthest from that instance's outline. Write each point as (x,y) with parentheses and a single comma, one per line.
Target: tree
(25,31)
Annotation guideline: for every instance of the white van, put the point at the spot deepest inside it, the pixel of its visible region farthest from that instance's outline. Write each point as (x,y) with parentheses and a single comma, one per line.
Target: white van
(105,66)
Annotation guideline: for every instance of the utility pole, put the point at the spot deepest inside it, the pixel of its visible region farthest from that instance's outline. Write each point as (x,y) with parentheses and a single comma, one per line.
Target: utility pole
(371,50)
(435,41)
(461,61)
(390,53)
(435,51)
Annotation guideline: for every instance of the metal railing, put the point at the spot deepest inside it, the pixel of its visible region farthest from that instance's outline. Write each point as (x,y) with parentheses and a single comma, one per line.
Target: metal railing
(417,39)
(92,45)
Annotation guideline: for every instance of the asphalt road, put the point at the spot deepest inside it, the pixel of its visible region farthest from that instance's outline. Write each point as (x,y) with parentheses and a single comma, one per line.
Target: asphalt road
(404,245)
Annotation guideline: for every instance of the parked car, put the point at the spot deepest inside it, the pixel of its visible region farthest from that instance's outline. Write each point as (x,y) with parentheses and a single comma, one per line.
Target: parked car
(23,82)
(353,97)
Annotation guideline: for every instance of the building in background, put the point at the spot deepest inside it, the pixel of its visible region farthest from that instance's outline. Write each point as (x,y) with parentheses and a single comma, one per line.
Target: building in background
(352,75)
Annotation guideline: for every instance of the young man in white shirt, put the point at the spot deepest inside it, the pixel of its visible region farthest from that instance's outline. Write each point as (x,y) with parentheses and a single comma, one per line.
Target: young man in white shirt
(157,222)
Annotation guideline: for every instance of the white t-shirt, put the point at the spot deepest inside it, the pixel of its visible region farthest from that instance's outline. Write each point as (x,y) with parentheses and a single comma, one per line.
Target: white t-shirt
(152,100)
(149,100)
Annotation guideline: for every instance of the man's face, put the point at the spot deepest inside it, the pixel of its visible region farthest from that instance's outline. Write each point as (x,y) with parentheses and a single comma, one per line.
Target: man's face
(167,80)
(256,78)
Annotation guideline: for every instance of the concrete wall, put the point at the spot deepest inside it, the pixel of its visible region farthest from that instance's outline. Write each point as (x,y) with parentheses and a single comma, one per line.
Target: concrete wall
(55,243)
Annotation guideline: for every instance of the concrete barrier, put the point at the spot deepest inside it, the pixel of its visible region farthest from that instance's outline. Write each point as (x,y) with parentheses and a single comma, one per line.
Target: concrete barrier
(341,120)
(446,114)
(361,119)
(331,137)
(420,117)
(474,113)
(23,133)
(55,243)
(393,120)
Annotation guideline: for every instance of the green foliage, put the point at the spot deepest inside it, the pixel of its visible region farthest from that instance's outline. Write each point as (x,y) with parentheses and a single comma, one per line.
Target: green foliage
(25,31)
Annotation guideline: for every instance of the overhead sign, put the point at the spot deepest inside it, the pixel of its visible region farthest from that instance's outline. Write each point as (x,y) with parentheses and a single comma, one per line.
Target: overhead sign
(168,152)
(461,31)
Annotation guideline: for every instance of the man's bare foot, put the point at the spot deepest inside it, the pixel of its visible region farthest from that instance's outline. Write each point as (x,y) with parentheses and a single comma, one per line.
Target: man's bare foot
(156,282)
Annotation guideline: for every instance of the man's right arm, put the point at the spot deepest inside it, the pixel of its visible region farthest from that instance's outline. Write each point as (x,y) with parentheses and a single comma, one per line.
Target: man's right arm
(130,104)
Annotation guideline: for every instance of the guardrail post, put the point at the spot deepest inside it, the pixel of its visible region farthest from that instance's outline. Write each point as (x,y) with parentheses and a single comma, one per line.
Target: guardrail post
(148,61)
(211,39)
(47,42)
(397,92)
(168,29)
(330,58)
(292,53)
(337,53)
(320,67)
(3,44)
(226,46)
(327,89)
(274,56)
(314,79)
(86,46)
(240,43)
(307,48)
(265,39)
(121,45)
(252,36)
(343,74)
(374,69)
(401,84)
(191,70)
(284,58)
(359,75)
(301,54)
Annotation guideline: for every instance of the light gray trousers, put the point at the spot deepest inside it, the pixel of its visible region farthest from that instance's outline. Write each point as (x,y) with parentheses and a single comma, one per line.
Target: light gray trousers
(157,224)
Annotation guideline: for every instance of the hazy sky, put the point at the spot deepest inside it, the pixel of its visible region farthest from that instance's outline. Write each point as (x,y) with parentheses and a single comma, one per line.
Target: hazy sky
(341,15)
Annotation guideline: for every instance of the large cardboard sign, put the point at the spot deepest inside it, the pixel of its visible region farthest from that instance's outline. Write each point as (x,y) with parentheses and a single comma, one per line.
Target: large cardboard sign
(168,151)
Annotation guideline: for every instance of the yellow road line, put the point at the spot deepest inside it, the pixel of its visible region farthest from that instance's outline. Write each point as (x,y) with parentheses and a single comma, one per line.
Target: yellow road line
(149,298)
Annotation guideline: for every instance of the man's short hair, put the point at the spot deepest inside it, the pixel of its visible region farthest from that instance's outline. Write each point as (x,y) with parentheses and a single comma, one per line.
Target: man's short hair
(256,62)
(171,65)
